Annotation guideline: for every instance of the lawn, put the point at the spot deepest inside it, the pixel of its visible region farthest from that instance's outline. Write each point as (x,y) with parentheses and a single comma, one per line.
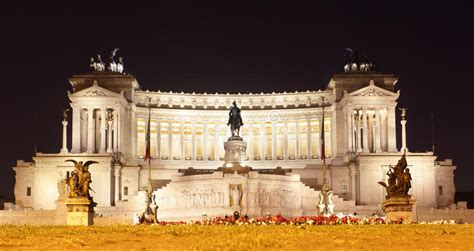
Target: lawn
(411,236)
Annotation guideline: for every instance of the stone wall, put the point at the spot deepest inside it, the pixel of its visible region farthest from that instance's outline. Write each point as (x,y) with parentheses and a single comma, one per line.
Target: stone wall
(51,217)
(460,215)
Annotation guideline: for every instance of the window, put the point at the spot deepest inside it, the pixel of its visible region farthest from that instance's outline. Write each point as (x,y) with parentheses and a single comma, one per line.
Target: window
(28,191)
(440,190)
(125,191)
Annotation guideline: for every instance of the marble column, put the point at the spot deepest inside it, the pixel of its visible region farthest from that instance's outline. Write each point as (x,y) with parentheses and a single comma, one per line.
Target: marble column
(391,128)
(116,130)
(158,140)
(297,144)
(250,142)
(308,139)
(353,169)
(64,147)
(404,136)
(117,171)
(90,130)
(263,142)
(193,141)
(285,145)
(372,131)
(378,133)
(103,129)
(134,138)
(358,133)
(181,141)
(350,130)
(109,136)
(205,141)
(365,128)
(217,145)
(170,140)
(76,129)
(274,140)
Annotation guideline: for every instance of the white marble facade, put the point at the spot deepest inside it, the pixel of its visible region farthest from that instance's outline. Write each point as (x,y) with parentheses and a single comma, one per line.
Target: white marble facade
(109,120)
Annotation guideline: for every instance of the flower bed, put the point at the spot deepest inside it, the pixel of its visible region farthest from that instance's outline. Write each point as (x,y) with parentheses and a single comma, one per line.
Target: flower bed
(280,220)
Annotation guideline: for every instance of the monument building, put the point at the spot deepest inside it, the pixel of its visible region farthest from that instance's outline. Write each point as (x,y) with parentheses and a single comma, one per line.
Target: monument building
(284,135)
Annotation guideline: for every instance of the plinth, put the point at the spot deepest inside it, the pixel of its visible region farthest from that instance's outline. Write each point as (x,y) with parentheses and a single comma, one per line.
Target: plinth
(399,208)
(80,211)
(235,156)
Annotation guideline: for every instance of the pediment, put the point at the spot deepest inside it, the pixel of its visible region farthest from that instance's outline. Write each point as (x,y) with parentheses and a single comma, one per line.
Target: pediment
(95,91)
(373,91)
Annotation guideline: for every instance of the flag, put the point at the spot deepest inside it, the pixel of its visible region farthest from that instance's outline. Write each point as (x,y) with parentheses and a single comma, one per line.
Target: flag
(147,138)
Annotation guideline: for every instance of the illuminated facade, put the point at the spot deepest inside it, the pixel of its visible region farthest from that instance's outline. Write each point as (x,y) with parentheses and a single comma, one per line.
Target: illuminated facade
(110,112)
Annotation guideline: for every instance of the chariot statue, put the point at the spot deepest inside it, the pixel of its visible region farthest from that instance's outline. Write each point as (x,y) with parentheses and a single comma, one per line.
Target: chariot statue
(235,120)
(97,65)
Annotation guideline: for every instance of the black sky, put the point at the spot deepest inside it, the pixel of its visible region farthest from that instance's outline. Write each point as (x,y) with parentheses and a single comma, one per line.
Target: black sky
(237,46)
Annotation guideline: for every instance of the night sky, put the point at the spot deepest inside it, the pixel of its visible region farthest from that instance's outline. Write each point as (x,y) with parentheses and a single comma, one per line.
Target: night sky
(235,46)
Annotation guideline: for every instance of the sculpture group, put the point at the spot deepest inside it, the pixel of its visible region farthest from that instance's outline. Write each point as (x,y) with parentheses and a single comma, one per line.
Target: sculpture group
(399,180)
(357,62)
(80,179)
(98,65)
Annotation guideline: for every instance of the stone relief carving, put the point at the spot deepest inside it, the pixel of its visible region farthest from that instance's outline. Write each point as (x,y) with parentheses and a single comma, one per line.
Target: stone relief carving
(95,93)
(372,92)
(193,199)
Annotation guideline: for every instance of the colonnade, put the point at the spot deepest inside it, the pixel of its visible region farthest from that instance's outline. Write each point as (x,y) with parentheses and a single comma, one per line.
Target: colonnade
(95,129)
(371,129)
(203,140)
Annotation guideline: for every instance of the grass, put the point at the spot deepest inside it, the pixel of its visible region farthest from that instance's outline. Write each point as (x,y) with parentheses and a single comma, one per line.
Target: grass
(435,237)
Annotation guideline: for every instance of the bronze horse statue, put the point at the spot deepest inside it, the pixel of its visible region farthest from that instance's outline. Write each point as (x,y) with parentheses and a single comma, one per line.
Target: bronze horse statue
(235,120)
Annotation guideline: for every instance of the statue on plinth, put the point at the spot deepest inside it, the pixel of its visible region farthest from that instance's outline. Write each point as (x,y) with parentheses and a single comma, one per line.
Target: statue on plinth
(326,205)
(398,203)
(79,203)
(235,146)
(235,120)
(149,216)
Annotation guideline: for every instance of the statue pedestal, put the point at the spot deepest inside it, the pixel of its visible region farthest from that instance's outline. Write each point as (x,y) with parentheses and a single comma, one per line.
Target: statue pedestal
(235,156)
(80,211)
(397,208)
(330,209)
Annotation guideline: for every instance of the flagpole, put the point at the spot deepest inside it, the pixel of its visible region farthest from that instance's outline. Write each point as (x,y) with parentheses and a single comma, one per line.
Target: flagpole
(323,143)
(148,155)
(324,189)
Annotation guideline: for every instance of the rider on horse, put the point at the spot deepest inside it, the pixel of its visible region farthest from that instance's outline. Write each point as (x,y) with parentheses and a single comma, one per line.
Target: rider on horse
(235,120)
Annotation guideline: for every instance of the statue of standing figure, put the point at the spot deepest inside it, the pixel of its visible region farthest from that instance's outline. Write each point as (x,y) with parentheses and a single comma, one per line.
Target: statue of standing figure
(235,120)
(235,192)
